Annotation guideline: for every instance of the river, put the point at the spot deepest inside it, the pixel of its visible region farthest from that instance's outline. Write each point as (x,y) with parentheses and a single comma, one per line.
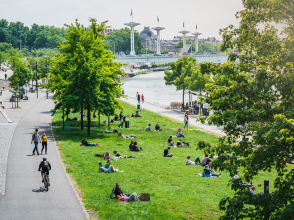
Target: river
(152,86)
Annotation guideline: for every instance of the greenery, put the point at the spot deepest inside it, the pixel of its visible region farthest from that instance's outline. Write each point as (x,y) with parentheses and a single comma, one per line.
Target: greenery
(83,74)
(257,92)
(122,41)
(31,38)
(177,191)
(203,47)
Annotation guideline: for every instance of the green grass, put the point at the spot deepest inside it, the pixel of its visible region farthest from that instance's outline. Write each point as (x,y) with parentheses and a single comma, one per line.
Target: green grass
(177,191)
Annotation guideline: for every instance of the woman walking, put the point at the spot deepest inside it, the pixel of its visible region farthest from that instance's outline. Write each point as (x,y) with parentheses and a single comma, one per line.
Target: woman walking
(142,96)
(186,121)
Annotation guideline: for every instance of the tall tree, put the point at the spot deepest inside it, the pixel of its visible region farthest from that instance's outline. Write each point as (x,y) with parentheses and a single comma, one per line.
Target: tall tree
(83,75)
(181,69)
(257,92)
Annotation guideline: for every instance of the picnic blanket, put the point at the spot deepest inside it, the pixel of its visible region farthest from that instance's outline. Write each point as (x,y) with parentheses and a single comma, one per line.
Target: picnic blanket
(120,200)
(200,174)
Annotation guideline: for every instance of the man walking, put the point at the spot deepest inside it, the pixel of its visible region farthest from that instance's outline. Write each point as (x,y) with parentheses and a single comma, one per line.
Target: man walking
(35,138)
(5,76)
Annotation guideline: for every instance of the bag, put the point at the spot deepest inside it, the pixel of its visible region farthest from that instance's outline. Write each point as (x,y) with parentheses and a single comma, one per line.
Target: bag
(145,197)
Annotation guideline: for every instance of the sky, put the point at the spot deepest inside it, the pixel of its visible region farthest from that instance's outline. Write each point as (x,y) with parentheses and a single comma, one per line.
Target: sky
(209,15)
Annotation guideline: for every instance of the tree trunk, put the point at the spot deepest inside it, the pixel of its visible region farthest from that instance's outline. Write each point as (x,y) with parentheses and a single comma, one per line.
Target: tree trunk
(99,118)
(82,117)
(183,96)
(63,119)
(89,118)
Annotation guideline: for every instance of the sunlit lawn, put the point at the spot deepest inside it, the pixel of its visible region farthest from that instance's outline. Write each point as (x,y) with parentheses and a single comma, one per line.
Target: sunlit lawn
(177,191)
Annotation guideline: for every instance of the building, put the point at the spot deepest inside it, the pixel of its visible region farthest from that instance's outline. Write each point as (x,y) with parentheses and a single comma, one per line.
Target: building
(148,38)
(167,44)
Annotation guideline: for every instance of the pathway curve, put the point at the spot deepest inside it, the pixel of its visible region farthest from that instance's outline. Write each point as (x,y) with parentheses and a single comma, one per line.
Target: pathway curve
(177,116)
(25,197)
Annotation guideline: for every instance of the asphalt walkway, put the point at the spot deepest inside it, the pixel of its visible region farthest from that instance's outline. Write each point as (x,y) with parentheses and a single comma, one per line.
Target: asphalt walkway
(25,197)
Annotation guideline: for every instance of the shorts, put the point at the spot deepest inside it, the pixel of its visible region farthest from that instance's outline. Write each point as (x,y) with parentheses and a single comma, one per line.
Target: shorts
(47,171)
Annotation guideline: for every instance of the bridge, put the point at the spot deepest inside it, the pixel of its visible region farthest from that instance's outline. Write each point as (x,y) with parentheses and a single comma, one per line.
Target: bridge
(214,58)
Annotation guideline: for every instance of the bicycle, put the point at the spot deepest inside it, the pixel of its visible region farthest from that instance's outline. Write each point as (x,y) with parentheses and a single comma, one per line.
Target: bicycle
(45,180)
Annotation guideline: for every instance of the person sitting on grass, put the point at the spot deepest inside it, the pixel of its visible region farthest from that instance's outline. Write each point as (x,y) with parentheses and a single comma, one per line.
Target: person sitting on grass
(108,163)
(213,173)
(148,128)
(94,115)
(126,136)
(179,133)
(170,142)
(179,143)
(157,128)
(86,143)
(135,147)
(137,114)
(117,191)
(104,170)
(166,153)
(206,172)
(115,117)
(189,162)
(131,145)
(205,160)
(252,190)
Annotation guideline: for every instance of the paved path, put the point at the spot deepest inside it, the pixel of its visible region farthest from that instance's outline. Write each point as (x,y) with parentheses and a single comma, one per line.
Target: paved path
(177,116)
(25,197)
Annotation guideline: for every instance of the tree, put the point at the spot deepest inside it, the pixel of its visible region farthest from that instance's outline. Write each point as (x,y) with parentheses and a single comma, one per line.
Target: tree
(257,92)
(181,69)
(20,76)
(83,74)
(122,39)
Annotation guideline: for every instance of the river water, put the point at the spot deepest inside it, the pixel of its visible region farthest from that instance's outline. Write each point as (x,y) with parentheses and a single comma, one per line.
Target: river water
(152,86)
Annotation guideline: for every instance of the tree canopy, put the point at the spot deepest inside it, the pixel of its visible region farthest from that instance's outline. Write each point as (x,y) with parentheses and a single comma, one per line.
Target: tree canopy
(252,97)
(122,41)
(83,73)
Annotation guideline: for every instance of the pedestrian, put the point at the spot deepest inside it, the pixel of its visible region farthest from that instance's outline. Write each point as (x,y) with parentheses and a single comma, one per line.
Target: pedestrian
(5,76)
(35,138)
(138,98)
(142,96)
(47,94)
(137,95)
(123,91)
(186,121)
(44,142)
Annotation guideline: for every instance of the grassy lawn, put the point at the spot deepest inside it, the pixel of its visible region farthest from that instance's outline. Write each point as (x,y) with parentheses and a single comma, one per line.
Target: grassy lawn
(177,191)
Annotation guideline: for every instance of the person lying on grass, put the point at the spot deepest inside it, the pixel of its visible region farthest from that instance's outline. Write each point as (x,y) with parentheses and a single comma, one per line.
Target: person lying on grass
(106,170)
(126,136)
(166,153)
(181,143)
(196,162)
(135,147)
(179,133)
(148,128)
(213,173)
(206,172)
(170,142)
(86,143)
(130,198)
(122,156)
(114,131)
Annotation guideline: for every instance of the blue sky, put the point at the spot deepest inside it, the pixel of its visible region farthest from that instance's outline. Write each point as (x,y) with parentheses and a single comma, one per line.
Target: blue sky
(210,15)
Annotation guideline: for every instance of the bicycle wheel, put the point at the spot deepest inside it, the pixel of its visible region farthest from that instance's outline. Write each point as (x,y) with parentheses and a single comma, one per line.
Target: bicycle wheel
(46,183)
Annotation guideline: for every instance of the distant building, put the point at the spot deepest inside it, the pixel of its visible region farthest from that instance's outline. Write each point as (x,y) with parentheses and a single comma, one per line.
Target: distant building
(148,38)
(211,40)
(167,44)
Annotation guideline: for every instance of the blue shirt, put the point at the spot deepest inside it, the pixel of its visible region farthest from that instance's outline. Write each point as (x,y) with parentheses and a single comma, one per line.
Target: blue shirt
(35,136)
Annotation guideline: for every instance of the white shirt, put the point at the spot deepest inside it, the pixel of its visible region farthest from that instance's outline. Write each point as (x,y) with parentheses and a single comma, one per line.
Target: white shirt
(236,177)
(190,162)
(252,191)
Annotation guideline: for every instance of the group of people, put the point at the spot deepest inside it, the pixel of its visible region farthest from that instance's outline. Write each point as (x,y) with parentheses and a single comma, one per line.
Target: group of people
(119,195)
(44,166)
(180,143)
(134,146)
(157,128)
(139,97)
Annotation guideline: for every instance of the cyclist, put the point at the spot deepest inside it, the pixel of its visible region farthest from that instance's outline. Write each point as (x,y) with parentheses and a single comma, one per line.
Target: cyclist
(45,165)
